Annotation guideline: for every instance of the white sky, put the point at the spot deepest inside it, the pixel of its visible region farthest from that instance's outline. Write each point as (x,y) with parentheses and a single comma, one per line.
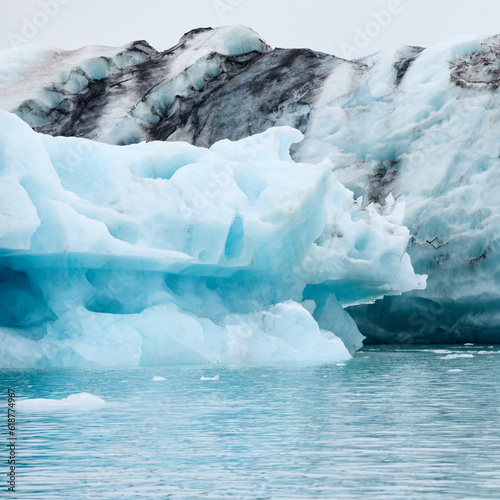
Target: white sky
(327,25)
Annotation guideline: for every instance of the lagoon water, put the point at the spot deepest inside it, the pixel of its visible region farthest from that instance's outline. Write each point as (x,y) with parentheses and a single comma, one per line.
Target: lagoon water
(394,422)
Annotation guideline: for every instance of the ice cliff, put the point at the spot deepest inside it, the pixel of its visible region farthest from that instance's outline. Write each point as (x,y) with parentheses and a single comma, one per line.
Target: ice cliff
(419,126)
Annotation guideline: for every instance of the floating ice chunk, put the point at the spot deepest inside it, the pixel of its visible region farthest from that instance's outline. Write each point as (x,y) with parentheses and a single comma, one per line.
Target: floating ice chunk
(455,370)
(158,379)
(456,356)
(341,364)
(216,377)
(80,401)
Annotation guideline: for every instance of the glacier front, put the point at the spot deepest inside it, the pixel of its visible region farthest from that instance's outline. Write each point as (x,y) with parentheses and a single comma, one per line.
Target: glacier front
(413,124)
(168,253)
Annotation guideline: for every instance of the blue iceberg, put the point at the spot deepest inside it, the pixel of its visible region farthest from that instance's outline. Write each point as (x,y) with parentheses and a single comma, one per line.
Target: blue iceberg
(167,253)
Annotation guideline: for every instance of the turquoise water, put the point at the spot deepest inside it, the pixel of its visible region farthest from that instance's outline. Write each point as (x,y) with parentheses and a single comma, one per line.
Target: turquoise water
(391,423)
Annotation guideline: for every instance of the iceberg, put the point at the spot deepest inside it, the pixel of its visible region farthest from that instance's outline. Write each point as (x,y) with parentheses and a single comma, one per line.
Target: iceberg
(411,127)
(167,253)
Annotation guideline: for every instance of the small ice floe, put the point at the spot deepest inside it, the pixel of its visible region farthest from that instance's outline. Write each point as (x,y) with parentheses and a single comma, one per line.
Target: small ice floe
(210,378)
(455,370)
(468,343)
(158,379)
(340,364)
(81,401)
(30,386)
(455,356)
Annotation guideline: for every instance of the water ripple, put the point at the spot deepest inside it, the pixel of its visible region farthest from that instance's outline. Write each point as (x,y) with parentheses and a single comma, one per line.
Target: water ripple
(392,423)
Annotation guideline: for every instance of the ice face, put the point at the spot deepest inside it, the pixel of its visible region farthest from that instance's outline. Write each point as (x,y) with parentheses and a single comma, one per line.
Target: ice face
(166,253)
(431,142)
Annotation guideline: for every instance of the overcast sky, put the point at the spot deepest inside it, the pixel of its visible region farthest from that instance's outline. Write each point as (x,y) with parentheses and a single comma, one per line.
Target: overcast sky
(341,27)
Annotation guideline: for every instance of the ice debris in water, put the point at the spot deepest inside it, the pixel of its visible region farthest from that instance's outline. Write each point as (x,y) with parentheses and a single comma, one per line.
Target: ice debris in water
(80,401)
(456,356)
(413,129)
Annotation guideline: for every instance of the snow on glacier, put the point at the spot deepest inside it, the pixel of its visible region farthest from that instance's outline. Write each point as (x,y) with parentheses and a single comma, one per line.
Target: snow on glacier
(167,253)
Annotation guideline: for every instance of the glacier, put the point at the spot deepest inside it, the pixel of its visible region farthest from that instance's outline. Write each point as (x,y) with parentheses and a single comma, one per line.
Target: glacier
(408,127)
(167,253)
